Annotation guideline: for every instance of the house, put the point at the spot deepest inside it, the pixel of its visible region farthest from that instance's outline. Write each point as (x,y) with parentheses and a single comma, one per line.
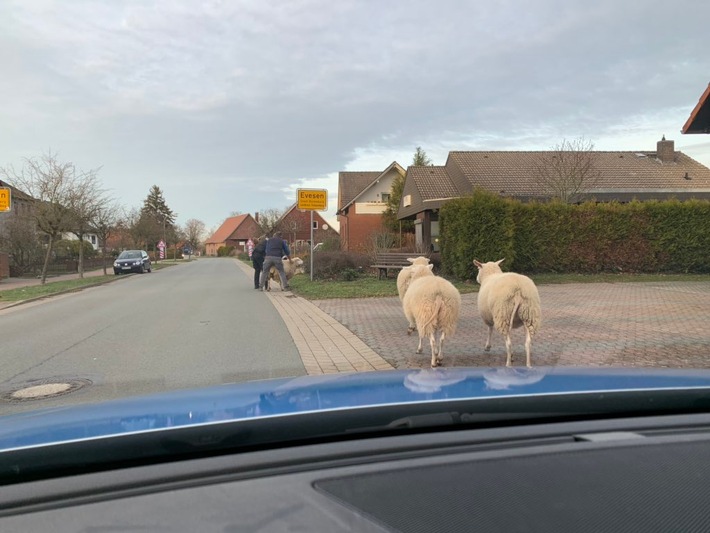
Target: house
(21,209)
(362,198)
(699,120)
(91,238)
(21,203)
(295,225)
(622,176)
(234,231)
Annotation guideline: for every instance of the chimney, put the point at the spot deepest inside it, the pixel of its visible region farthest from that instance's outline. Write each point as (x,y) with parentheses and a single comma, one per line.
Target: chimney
(665,151)
(256,217)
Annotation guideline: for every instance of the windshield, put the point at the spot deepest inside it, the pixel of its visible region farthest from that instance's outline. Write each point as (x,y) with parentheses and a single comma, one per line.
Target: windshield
(129,255)
(333,188)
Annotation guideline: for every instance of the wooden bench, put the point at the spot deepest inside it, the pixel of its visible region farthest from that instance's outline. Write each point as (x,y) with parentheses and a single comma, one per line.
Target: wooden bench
(385,261)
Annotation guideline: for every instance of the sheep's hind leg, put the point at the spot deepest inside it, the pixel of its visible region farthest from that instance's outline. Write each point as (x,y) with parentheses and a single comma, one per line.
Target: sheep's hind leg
(434,350)
(528,343)
(440,355)
(487,347)
(419,348)
(509,349)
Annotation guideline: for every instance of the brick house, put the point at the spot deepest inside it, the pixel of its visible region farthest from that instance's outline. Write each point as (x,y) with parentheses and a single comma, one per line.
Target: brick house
(234,231)
(295,225)
(623,176)
(362,198)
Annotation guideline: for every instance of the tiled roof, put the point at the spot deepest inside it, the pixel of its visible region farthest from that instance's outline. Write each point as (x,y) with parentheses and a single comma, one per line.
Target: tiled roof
(513,173)
(350,184)
(699,119)
(432,182)
(227,228)
(622,176)
(16,193)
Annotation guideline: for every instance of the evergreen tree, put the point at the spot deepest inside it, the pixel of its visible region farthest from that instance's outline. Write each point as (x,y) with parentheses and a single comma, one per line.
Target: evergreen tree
(156,220)
(421,159)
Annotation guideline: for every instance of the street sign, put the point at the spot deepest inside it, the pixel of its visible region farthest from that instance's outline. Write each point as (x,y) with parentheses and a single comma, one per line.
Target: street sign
(161,244)
(5,199)
(312,199)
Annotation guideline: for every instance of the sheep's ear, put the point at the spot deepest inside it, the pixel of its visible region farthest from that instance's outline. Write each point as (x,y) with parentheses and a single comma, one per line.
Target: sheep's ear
(477,263)
(411,259)
(500,261)
(431,267)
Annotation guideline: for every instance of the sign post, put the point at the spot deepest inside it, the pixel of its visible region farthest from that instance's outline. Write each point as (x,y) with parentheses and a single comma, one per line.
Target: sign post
(312,200)
(5,199)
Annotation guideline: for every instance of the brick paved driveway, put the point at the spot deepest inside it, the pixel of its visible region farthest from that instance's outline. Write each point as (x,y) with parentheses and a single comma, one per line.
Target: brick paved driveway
(601,324)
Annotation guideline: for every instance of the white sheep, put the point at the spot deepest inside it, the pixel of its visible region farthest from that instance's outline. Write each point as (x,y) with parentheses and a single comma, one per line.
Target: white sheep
(507,301)
(432,304)
(405,275)
(291,268)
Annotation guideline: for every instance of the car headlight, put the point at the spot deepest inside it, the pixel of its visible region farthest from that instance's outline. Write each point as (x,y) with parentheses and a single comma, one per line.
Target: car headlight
(137,263)
(115,263)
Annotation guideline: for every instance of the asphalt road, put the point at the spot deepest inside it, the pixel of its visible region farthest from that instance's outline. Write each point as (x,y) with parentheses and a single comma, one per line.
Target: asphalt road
(191,325)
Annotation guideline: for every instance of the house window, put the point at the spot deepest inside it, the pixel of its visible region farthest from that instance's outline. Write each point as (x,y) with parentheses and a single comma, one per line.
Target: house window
(93,239)
(385,197)
(315,224)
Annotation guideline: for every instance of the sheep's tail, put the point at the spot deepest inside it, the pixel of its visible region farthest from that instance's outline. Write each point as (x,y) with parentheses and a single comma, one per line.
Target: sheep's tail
(516,304)
(432,316)
(442,316)
(529,313)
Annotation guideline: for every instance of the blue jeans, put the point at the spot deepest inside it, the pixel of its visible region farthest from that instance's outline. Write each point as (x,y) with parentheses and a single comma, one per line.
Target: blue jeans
(270,261)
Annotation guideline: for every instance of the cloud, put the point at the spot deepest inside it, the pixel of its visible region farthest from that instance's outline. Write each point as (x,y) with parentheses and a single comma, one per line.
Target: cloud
(231,106)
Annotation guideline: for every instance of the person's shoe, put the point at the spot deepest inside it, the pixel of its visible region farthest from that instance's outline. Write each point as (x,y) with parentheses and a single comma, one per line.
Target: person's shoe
(257,288)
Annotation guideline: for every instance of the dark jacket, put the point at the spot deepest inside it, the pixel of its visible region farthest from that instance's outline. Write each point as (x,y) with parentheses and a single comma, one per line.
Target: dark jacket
(259,251)
(277,247)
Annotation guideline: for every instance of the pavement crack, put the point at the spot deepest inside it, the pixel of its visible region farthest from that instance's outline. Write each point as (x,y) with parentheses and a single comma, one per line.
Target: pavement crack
(33,367)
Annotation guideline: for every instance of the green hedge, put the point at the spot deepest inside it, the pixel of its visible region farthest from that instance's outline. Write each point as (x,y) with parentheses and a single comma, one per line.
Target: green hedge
(668,236)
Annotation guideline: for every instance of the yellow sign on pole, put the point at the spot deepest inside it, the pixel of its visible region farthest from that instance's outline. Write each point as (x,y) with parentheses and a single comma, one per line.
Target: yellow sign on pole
(313,199)
(5,199)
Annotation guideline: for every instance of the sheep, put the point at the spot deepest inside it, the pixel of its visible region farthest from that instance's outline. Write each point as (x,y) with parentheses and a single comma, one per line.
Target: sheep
(433,304)
(507,301)
(291,268)
(405,275)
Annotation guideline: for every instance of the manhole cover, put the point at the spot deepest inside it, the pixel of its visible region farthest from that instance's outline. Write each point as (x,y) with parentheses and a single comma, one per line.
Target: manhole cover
(43,389)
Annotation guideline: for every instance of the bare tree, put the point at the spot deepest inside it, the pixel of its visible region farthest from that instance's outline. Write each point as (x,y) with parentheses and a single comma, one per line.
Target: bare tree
(53,184)
(85,202)
(268,219)
(568,170)
(194,231)
(106,224)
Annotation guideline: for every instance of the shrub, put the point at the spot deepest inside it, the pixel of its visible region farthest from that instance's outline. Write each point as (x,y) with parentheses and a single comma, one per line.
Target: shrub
(653,236)
(332,265)
(350,274)
(225,251)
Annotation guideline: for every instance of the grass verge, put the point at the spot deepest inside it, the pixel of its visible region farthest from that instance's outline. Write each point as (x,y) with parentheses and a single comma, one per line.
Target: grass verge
(55,287)
(51,287)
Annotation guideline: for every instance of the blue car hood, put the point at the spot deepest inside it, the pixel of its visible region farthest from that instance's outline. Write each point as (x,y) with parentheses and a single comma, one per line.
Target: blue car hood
(328,393)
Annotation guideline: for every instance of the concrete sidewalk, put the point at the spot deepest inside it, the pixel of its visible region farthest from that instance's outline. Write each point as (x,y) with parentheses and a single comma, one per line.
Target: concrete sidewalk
(325,345)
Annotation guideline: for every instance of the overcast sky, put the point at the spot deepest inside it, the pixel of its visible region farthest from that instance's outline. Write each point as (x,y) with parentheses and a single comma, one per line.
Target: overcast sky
(231,106)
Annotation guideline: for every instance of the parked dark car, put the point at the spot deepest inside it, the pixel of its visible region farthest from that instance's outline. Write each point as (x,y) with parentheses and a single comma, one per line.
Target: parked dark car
(132,261)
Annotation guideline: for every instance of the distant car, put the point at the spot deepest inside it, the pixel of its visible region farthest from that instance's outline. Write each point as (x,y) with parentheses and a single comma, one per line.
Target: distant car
(132,261)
